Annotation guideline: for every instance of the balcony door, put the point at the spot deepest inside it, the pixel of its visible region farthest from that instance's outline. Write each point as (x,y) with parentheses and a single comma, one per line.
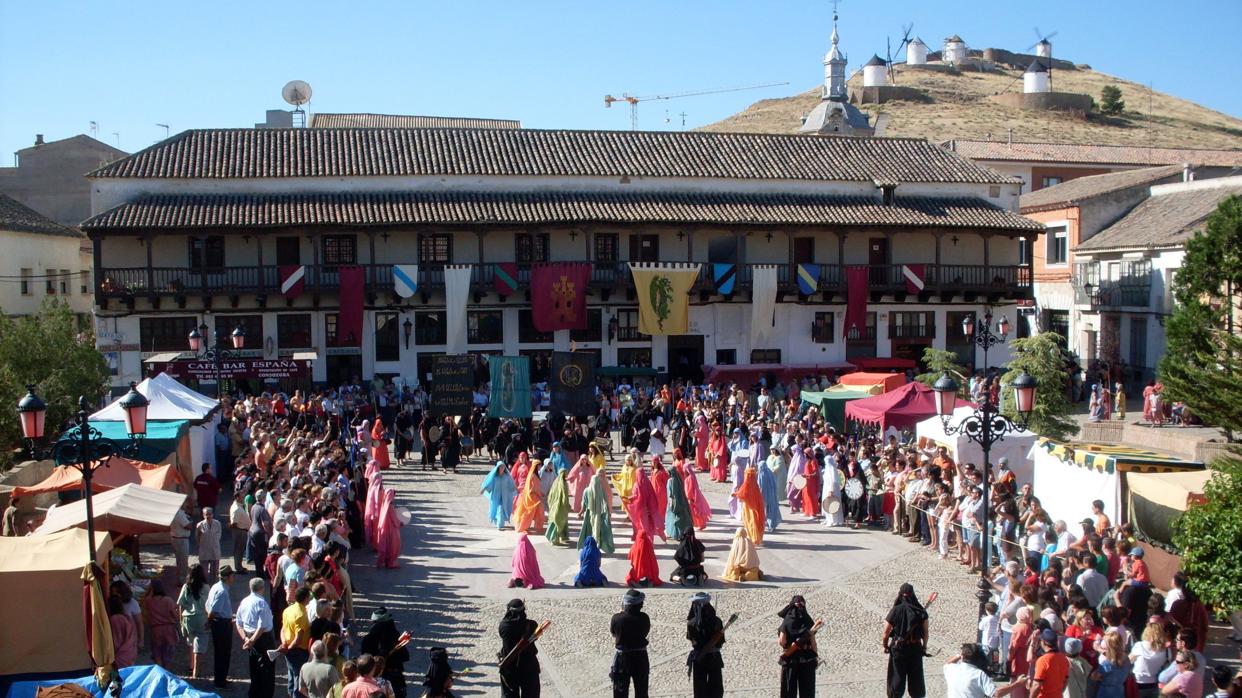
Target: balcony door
(804,250)
(644,248)
(878,260)
(288,251)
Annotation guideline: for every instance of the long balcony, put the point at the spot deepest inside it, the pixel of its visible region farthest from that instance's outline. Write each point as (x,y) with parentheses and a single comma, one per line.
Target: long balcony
(125,283)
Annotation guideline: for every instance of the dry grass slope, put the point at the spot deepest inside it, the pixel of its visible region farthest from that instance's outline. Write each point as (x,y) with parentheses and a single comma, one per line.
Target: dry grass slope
(961,109)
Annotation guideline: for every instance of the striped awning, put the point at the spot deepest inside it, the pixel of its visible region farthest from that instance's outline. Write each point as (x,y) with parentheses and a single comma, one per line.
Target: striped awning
(1110,458)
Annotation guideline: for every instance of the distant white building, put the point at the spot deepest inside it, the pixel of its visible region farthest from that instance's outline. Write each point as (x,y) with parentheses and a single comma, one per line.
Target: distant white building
(875,72)
(954,50)
(1043,49)
(916,52)
(1036,78)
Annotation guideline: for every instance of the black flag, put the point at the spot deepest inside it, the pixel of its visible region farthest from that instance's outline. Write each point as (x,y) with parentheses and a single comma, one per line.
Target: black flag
(573,383)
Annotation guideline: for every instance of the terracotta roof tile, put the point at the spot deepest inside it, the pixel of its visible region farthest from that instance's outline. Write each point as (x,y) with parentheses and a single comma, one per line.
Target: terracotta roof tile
(18,217)
(411,208)
(1093,154)
(1082,188)
(380,152)
(322,120)
(1164,220)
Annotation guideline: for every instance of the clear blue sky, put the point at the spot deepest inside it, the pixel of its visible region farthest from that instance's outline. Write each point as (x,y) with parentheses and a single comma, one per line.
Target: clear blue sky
(129,65)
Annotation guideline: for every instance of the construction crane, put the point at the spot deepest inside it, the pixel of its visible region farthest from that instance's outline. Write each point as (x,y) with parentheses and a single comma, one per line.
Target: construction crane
(633,101)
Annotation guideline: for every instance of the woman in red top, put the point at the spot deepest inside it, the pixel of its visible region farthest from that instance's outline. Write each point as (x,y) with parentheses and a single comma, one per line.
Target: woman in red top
(1085,629)
(810,493)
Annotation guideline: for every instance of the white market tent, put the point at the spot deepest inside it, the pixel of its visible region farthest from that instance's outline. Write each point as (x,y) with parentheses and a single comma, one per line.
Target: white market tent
(172,401)
(130,510)
(1015,446)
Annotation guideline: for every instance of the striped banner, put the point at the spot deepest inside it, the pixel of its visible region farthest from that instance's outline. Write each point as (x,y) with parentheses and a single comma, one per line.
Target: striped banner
(292,280)
(405,279)
(505,280)
(808,278)
(914,275)
(724,276)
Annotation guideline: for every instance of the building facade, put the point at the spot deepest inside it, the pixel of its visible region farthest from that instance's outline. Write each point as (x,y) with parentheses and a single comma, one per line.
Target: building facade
(195,231)
(50,176)
(41,259)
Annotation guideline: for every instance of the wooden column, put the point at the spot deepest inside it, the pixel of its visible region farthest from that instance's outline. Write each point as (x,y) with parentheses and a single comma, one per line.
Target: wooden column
(479,235)
(97,265)
(841,255)
(314,240)
(937,278)
(987,260)
(371,258)
(690,245)
(150,264)
(258,241)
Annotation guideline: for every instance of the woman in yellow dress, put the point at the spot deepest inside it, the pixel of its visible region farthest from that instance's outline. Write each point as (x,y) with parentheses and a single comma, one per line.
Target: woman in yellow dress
(743,562)
(623,482)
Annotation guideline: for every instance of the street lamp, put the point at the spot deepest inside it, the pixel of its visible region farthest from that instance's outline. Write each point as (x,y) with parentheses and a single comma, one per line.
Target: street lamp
(985,426)
(87,449)
(216,354)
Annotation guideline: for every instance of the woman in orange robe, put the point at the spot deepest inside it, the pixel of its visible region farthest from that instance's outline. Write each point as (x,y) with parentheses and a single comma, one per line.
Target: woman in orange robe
(528,509)
(718,454)
(751,499)
(810,493)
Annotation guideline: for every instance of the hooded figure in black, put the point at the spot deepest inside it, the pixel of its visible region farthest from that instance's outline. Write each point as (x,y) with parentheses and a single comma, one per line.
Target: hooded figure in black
(381,640)
(629,629)
(798,668)
(705,632)
(520,678)
(905,641)
(439,678)
(689,558)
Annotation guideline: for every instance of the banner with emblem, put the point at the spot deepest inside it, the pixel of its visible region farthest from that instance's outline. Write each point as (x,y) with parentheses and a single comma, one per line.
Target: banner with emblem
(724,276)
(808,278)
(664,296)
(558,296)
(505,278)
(292,280)
(405,279)
(573,383)
(510,397)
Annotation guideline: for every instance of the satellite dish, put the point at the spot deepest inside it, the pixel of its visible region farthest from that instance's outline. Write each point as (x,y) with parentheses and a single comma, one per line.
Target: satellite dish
(296,92)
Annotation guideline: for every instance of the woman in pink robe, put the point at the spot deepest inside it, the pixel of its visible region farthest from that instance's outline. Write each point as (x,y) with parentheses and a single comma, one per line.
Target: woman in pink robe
(388,533)
(659,482)
(701,434)
(579,479)
(700,510)
(372,469)
(371,515)
(520,468)
(642,507)
(525,565)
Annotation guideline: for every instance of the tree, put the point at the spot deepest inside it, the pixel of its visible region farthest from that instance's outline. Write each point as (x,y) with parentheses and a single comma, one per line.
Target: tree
(940,361)
(1202,365)
(51,352)
(1043,357)
(1111,101)
(1209,536)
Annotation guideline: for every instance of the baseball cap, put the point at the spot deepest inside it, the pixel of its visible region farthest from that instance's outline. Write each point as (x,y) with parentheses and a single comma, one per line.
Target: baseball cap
(1136,552)
(1073,646)
(1048,635)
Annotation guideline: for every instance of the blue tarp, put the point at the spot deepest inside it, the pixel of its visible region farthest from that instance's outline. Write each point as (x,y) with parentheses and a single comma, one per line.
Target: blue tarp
(143,681)
(162,438)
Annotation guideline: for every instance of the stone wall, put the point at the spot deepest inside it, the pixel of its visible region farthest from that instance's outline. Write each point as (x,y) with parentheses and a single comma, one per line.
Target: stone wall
(1069,102)
(890,93)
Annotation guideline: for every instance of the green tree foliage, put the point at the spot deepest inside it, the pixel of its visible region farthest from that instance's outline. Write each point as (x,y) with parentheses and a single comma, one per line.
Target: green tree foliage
(51,351)
(1111,101)
(1043,357)
(1209,537)
(940,361)
(1202,365)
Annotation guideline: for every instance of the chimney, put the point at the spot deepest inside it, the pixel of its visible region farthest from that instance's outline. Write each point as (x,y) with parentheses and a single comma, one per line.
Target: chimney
(1188,172)
(38,139)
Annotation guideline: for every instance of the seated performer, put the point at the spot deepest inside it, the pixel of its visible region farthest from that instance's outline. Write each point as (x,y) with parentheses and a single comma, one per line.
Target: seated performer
(589,573)
(644,569)
(525,565)
(689,558)
(743,562)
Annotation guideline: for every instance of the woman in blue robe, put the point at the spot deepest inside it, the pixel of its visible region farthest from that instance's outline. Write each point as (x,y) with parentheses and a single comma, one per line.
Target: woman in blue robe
(771,499)
(500,491)
(557,458)
(589,573)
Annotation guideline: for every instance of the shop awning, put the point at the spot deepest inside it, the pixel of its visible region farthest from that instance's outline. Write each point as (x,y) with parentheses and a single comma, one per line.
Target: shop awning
(132,510)
(162,438)
(886,381)
(117,473)
(902,408)
(1110,458)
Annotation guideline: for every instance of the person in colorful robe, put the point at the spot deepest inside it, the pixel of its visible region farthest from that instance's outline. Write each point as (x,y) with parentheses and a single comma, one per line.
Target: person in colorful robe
(750,506)
(659,482)
(641,507)
(810,492)
(521,468)
(644,568)
(797,466)
(388,533)
(679,518)
(597,514)
(579,480)
(558,511)
(742,564)
(718,454)
(528,509)
(379,445)
(589,572)
(623,481)
(500,491)
(700,509)
(771,500)
(701,436)
(525,565)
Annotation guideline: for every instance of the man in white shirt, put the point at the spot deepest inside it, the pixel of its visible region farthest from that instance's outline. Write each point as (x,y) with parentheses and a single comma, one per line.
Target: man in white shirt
(1094,585)
(1064,539)
(207,533)
(964,678)
(220,622)
(253,621)
(179,533)
(239,525)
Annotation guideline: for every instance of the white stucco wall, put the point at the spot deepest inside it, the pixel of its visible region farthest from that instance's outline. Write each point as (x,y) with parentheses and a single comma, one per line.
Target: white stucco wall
(42,255)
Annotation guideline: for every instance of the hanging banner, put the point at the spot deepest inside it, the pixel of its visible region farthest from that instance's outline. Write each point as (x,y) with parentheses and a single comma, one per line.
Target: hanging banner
(505,280)
(235,369)
(724,276)
(573,383)
(405,279)
(452,378)
(456,291)
(664,296)
(292,280)
(558,296)
(808,278)
(510,398)
(762,305)
(914,275)
(857,284)
(349,319)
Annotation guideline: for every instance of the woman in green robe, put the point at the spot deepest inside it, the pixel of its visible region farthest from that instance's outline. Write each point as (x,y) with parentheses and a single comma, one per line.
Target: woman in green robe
(596,517)
(558,510)
(678,519)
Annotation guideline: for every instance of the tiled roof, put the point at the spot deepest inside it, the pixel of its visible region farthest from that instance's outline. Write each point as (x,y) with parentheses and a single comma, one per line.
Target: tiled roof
(18,217)
(1164,219)
(1081,188)
(406,121)
(492,208)
(253,153)
(1093,154)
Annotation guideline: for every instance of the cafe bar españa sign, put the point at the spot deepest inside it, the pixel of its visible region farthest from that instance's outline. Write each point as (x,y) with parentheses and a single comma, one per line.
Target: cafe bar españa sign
(237,369)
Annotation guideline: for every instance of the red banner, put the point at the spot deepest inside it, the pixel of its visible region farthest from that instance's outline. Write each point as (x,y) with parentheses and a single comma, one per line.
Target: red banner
(857,281)
(234,369)
(349,320)
(558,296)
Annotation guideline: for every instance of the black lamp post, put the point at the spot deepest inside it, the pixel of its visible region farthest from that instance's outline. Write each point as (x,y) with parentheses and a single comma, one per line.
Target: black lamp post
(88,449)
(217,353)
(985,426)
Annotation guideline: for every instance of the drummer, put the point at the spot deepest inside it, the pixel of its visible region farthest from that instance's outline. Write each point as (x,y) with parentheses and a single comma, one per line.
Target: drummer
(833,482)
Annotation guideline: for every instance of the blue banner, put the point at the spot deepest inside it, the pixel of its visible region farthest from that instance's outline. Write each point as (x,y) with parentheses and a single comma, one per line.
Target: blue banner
(808,278)
(510,398)
(723,276)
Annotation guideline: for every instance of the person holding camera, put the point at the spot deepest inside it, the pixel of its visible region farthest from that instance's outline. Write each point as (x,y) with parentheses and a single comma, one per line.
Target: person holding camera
(966,676)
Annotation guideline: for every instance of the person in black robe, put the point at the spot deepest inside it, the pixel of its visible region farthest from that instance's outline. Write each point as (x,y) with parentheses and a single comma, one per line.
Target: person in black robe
(857,510)
(798,668)
(520,678)
(705,632)
(439,679)
(689,559)
(404,428)
(427,429)
(905,641)
(381,641)
(450,445)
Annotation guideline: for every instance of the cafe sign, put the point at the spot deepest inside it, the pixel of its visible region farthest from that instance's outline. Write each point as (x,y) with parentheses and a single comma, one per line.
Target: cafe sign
(236,369)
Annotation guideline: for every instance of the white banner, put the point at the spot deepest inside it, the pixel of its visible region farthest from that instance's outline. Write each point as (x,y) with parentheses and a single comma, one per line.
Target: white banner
(456,291)
(762,305)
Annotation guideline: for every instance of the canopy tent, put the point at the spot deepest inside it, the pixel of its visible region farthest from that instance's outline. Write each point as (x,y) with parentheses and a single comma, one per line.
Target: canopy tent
(747,375)
(142,681)
(119,471)
(1015,446)
(886,381)
(1070,476)
(165,442)
(131,510)
(902,408)
(883,363)
(832,402)
(173,402)
(48,635)
(1155,499)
